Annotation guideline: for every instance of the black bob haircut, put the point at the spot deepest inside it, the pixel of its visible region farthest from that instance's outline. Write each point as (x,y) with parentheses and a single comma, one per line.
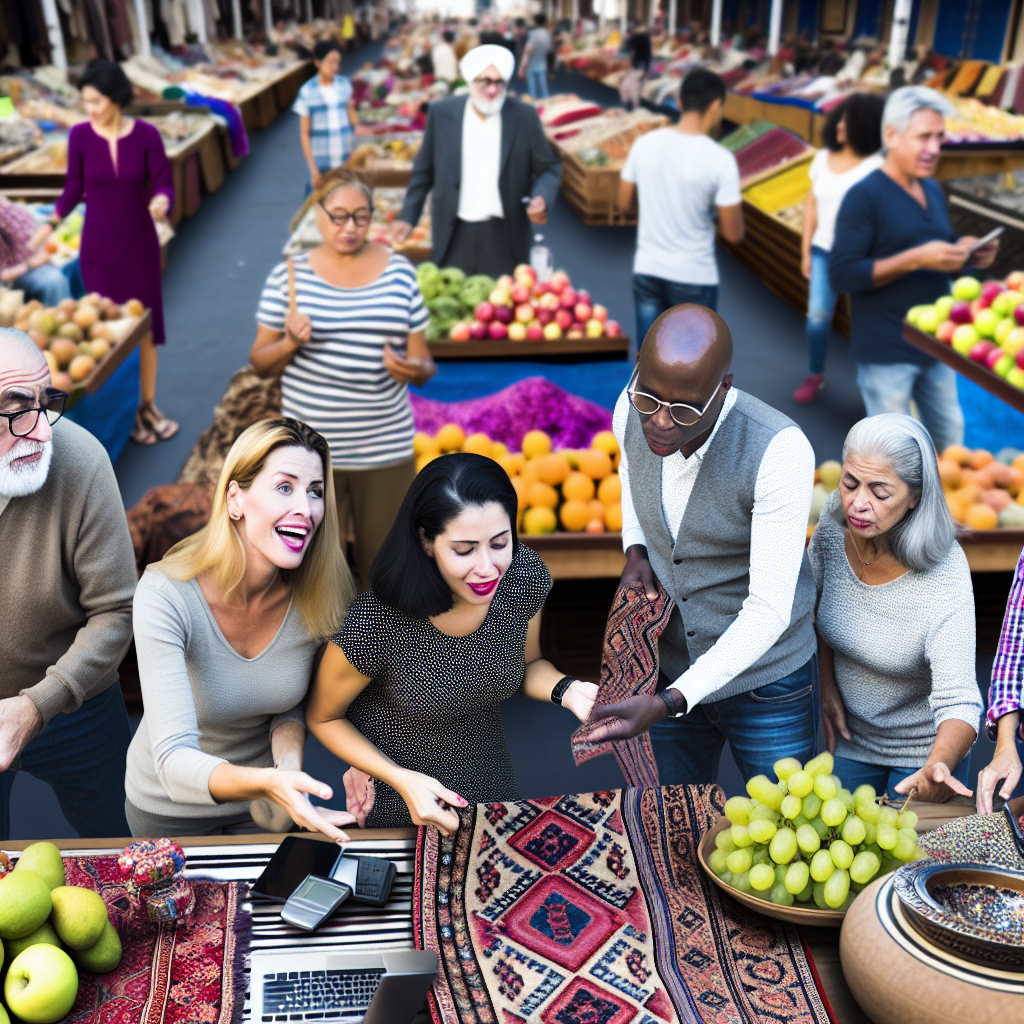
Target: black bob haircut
(700,89)
(108,78)
(324,47)
(402,574)
(862,112)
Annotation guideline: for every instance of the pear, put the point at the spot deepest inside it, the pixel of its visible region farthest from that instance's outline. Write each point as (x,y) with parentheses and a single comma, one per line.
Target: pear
(44,933)
(79,915)
(45,860)
(104,956)
(24,903)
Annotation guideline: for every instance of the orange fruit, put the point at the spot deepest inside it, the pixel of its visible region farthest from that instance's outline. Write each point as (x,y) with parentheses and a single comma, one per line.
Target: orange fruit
(610,489)
(968,493)
(529,471)
(498,449)
(422,444)
(478,444)
(996,498)
(1018,463)
(511,462)
(950,473)
(981,517)
(605,442)
(450,437)
(595,526)
(541,495)
(597,509)
(422,460)
(539,520)
(595,463)
(522,488)
(536,442)
(1016,481)
(613,518)
(578,487)
(552,468)
(574,516)
(981,458)
(958,453)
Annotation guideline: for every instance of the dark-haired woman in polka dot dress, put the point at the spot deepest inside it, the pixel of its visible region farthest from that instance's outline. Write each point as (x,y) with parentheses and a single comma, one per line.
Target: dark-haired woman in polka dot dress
(409,688)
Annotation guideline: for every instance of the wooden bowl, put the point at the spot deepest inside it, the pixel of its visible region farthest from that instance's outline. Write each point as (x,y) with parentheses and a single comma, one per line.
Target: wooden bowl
(805,915)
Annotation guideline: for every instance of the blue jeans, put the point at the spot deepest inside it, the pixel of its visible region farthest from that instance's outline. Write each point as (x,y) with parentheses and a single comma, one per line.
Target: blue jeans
(537,82)
(82,756)
(776,720)
(889,387)
(45,283)
(821,307)
(885,779)
(653,295)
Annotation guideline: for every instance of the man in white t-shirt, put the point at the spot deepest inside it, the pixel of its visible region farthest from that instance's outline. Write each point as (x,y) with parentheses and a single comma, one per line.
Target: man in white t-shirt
(680,175)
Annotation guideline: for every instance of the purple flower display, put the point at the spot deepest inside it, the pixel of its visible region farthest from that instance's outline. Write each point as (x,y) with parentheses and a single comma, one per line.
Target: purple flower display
(531,404)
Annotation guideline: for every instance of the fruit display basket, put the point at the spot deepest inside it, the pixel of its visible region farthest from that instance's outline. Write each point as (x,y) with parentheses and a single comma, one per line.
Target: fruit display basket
(117,355)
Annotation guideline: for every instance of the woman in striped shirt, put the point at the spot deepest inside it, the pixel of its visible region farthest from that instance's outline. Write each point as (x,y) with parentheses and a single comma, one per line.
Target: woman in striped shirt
(343,326)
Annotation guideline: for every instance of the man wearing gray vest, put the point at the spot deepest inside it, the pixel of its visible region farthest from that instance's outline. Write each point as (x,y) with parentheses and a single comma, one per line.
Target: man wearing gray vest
(716,489)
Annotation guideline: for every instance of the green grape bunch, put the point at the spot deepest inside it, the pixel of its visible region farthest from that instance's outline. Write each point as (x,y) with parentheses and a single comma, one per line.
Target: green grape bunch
(805,838)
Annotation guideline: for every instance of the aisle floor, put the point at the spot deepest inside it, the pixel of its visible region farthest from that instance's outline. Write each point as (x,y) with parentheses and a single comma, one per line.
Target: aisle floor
(218,263)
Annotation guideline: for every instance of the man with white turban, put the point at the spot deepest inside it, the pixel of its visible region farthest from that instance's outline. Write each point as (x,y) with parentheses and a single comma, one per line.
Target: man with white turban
(490,168)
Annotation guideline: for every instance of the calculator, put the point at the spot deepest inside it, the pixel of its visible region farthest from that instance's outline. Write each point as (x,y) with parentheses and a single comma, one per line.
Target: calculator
(314,901)
(370,878)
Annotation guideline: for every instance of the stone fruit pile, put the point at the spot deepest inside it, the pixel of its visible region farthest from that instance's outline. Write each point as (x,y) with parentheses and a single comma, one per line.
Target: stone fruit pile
(806,838)
(77,335)
(50,931)
(513,308)
(576,489)
(983,322)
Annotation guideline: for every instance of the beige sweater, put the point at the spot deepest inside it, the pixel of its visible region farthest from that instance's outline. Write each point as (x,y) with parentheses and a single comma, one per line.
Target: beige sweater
(67,577)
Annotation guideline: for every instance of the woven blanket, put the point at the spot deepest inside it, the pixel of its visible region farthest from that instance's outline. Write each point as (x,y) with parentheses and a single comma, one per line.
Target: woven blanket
(629,666)
(593,909)
(167,976)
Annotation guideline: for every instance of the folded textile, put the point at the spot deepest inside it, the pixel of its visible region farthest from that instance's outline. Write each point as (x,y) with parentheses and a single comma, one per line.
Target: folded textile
(594,908)
(629,666)
(236,127)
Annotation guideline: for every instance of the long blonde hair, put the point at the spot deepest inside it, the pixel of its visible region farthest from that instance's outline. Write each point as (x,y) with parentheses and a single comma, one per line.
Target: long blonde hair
(322,585)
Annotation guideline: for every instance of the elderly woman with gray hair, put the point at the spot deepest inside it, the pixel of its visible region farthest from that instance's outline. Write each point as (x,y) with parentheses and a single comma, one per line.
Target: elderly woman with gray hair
(894,248)
(900,704)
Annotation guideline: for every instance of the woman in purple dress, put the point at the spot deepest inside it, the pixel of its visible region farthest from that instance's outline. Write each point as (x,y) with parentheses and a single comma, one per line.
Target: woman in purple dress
(118,166)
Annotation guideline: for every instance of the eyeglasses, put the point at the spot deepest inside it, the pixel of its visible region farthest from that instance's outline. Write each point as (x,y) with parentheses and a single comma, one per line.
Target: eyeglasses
(23,422)
(683,415)
(360,218)
(490,83)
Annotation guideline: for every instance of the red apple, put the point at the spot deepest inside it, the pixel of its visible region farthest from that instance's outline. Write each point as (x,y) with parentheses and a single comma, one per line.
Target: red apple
(944,332)
(564,319)
(582,296)
(577,325)
(598,312)
(1018,315)
(544,316)
(503,314)
(979,353)
(505,281)
(523,269)
(540,288)
(484,312)
(549,301)
(520,294)
(525,313)
(994,356)
(497,330)
(976,306)
(478,330)
(460,332)
(1015,280)
(582,311)
(567,297)
(558,280)
(960,313)
(990,289)
(612,329)
(534,332)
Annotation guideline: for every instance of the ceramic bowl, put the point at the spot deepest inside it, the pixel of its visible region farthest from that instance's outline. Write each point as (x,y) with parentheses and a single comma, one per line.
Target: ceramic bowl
(974,911)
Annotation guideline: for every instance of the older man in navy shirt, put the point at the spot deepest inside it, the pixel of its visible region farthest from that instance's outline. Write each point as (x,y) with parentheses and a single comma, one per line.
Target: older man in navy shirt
(895,248)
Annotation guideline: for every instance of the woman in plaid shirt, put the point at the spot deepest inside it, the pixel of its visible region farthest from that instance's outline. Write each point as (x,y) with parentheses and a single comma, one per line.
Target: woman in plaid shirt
(1003,718)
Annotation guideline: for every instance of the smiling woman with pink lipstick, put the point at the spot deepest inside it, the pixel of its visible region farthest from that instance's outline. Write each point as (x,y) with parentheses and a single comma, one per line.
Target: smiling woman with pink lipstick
(409,690)
(226,629)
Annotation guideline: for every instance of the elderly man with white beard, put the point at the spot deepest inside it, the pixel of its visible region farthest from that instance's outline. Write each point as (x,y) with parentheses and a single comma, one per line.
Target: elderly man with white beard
(490,168)
(66,588)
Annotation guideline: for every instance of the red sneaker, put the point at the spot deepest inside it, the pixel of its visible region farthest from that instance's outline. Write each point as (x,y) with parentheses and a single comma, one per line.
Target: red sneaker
(810,387)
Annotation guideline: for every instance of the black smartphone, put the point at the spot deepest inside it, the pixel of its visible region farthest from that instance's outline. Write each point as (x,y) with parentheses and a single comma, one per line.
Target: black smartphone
(293,861)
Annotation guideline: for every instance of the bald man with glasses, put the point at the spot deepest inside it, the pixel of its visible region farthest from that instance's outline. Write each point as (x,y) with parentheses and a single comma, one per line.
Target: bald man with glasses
(716,490)
(67,585)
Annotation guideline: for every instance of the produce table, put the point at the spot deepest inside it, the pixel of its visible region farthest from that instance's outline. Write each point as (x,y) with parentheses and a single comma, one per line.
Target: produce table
(564,351)
(118,354)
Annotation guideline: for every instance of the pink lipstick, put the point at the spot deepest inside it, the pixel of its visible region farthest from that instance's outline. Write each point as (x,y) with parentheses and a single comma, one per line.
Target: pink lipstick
(483,589)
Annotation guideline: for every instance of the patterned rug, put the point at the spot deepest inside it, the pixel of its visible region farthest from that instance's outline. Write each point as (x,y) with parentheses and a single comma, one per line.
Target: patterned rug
(593,909)
(629,666)
(166,976)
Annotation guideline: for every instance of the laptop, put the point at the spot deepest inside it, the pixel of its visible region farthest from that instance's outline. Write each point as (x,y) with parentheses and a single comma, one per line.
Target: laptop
(351,988)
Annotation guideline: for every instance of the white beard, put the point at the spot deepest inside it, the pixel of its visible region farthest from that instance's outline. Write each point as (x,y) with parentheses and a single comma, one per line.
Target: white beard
(17,482)
(485,108)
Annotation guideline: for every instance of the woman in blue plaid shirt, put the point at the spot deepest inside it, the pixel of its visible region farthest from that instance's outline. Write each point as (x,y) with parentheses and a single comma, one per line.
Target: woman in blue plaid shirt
(326,112)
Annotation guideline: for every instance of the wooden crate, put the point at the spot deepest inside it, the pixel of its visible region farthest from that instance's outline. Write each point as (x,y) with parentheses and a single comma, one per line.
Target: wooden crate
(592,192)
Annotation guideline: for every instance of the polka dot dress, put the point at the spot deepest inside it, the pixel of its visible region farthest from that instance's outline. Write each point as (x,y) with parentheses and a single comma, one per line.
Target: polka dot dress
(432,704)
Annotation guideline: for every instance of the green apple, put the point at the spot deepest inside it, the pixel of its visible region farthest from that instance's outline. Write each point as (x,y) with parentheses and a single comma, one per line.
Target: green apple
(24,903)
(943,306)
(1015,376)
(1003,329)
(986,322)
(913,313)
(4,1019)
(966,288)
(1006,302)
(928,320)
(44,933)
(79,915)
(965,337)
(45,860)
(1003,364)
(42,985)
(104,956)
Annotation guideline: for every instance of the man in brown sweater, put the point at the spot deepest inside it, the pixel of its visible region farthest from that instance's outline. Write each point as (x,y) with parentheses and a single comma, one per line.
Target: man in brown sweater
(67,573)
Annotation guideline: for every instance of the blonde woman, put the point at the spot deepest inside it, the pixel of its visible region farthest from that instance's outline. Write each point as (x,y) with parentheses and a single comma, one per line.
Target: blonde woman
(226,628)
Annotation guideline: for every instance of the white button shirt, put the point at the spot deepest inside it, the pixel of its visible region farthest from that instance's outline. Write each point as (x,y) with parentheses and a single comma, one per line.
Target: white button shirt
(479,198)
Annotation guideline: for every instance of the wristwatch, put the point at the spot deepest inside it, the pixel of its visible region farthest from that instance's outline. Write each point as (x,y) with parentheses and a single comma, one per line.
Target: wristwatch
(561,686)
(674,701)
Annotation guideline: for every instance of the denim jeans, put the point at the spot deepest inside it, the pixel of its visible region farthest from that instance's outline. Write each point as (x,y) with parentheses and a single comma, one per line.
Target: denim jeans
(776,720)
(885,779)
(45,283)
(821,307)
(653,295)
(82,756)
(537,82)
(889,387)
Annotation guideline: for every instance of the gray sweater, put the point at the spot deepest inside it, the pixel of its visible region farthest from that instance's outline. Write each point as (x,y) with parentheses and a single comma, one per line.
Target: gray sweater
(205,703)
(904,650)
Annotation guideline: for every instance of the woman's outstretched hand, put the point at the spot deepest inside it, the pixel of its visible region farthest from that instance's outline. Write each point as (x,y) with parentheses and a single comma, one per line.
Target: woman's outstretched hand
(934,784)
(291,789)
(1004,767)
(579,699)
(429,802)
(359,794)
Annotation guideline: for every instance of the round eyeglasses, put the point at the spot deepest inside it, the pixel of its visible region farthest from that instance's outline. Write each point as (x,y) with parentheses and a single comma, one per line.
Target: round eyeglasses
(683,415)
(23,422)
(340,218)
